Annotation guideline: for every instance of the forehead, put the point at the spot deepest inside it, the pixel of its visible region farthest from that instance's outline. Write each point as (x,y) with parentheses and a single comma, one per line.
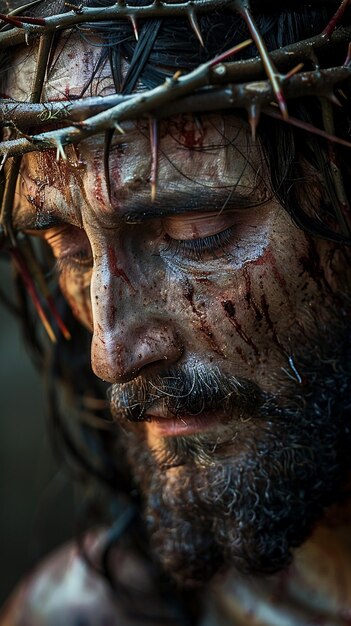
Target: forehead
(77,68)
(224,172)
(211,153)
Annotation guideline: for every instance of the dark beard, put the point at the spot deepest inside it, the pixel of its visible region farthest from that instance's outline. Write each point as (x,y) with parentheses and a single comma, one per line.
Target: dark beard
(246,501)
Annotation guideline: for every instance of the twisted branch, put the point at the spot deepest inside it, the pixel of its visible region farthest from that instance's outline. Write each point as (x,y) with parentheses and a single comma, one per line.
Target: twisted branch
(26,28)
(29,28)
(171,98)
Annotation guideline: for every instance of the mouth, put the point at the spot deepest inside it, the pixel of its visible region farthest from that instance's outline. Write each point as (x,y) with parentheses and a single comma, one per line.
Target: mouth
(163,424)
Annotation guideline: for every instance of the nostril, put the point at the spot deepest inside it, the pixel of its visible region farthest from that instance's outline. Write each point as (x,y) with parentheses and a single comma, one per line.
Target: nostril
(118,358)
(156,354)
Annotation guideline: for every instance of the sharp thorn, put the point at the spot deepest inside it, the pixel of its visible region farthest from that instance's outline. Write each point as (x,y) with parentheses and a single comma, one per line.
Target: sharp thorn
(176,75)
(336,19)
(78,9)
(119,128)
(347,62)
(10,20)
(230,52)
(342,94)
(195,25)
(60,153)
(3,161)
(293,121)
(154,156)
(282,104)
(153,191)
(135,26)
(332,98)
(292,72)
(254,118)
(271,71)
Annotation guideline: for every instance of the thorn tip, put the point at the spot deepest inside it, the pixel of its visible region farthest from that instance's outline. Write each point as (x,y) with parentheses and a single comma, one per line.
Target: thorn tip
(135,26)
(195,26)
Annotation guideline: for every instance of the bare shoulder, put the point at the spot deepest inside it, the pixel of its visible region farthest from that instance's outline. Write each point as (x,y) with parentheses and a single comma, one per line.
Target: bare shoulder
(65,590)
(62,590)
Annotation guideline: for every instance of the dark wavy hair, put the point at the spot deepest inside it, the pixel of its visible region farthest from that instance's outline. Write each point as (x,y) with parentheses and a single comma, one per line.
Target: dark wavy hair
(299,164)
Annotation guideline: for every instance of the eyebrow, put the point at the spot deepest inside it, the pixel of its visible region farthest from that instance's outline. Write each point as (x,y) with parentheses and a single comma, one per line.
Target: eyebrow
(38,221)
(140,209)
(135,211)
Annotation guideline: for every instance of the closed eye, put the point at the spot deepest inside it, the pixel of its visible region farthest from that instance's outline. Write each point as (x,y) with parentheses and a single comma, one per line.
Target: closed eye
(70,246)
(197,225)
(199,237)
(200,249)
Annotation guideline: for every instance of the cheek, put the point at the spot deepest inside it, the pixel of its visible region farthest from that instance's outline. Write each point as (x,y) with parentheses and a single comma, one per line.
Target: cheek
(248,314)
(228,319)
(75,287)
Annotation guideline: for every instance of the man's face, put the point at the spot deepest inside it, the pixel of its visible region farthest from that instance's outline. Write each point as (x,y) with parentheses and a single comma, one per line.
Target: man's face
(215,319)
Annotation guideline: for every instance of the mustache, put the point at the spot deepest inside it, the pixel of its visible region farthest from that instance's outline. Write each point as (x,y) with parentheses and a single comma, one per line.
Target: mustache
(185,390)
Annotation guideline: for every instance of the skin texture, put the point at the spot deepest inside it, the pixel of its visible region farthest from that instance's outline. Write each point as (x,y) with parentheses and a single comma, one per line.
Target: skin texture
(213,277)
(67,588)
(135,266)
(251,288)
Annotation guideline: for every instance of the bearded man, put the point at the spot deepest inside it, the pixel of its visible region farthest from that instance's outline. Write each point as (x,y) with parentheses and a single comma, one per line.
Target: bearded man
(206,253)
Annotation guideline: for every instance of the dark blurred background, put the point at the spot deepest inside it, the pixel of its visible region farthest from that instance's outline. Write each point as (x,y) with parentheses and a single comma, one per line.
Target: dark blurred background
(36,496)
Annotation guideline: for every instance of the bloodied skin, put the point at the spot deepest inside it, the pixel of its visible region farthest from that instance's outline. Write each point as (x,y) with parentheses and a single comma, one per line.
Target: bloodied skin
(211,276)
(198,278)
(218,274)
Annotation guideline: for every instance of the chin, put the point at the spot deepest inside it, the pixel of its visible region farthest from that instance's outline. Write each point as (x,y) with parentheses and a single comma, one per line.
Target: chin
(208,508)
(248,499)
(247,513)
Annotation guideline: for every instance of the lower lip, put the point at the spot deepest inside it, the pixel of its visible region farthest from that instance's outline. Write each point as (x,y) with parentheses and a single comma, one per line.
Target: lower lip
(187,425)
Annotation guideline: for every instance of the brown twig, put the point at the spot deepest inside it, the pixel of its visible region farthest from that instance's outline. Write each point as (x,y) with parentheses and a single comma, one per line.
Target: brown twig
(199,90)
(134,107)
(25,31)
(253,97)
(288,57)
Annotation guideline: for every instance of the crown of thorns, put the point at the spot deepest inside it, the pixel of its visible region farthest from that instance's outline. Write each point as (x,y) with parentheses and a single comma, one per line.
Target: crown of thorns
(263,84)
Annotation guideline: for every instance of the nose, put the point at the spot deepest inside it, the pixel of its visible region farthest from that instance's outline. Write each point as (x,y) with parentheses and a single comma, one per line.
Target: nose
(130,332)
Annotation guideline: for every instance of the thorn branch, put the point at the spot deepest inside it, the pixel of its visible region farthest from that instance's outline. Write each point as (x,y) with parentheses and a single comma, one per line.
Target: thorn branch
(266,60)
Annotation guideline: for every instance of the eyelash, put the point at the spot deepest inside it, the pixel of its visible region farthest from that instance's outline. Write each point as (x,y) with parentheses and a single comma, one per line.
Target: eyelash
(198,249)
(77,262)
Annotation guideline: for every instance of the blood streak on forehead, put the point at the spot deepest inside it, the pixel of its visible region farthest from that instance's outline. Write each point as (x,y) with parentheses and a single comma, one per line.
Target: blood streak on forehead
(75,70)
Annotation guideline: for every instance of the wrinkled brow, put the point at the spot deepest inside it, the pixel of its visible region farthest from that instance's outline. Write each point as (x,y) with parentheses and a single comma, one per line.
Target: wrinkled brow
(141,209)
(181,202)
